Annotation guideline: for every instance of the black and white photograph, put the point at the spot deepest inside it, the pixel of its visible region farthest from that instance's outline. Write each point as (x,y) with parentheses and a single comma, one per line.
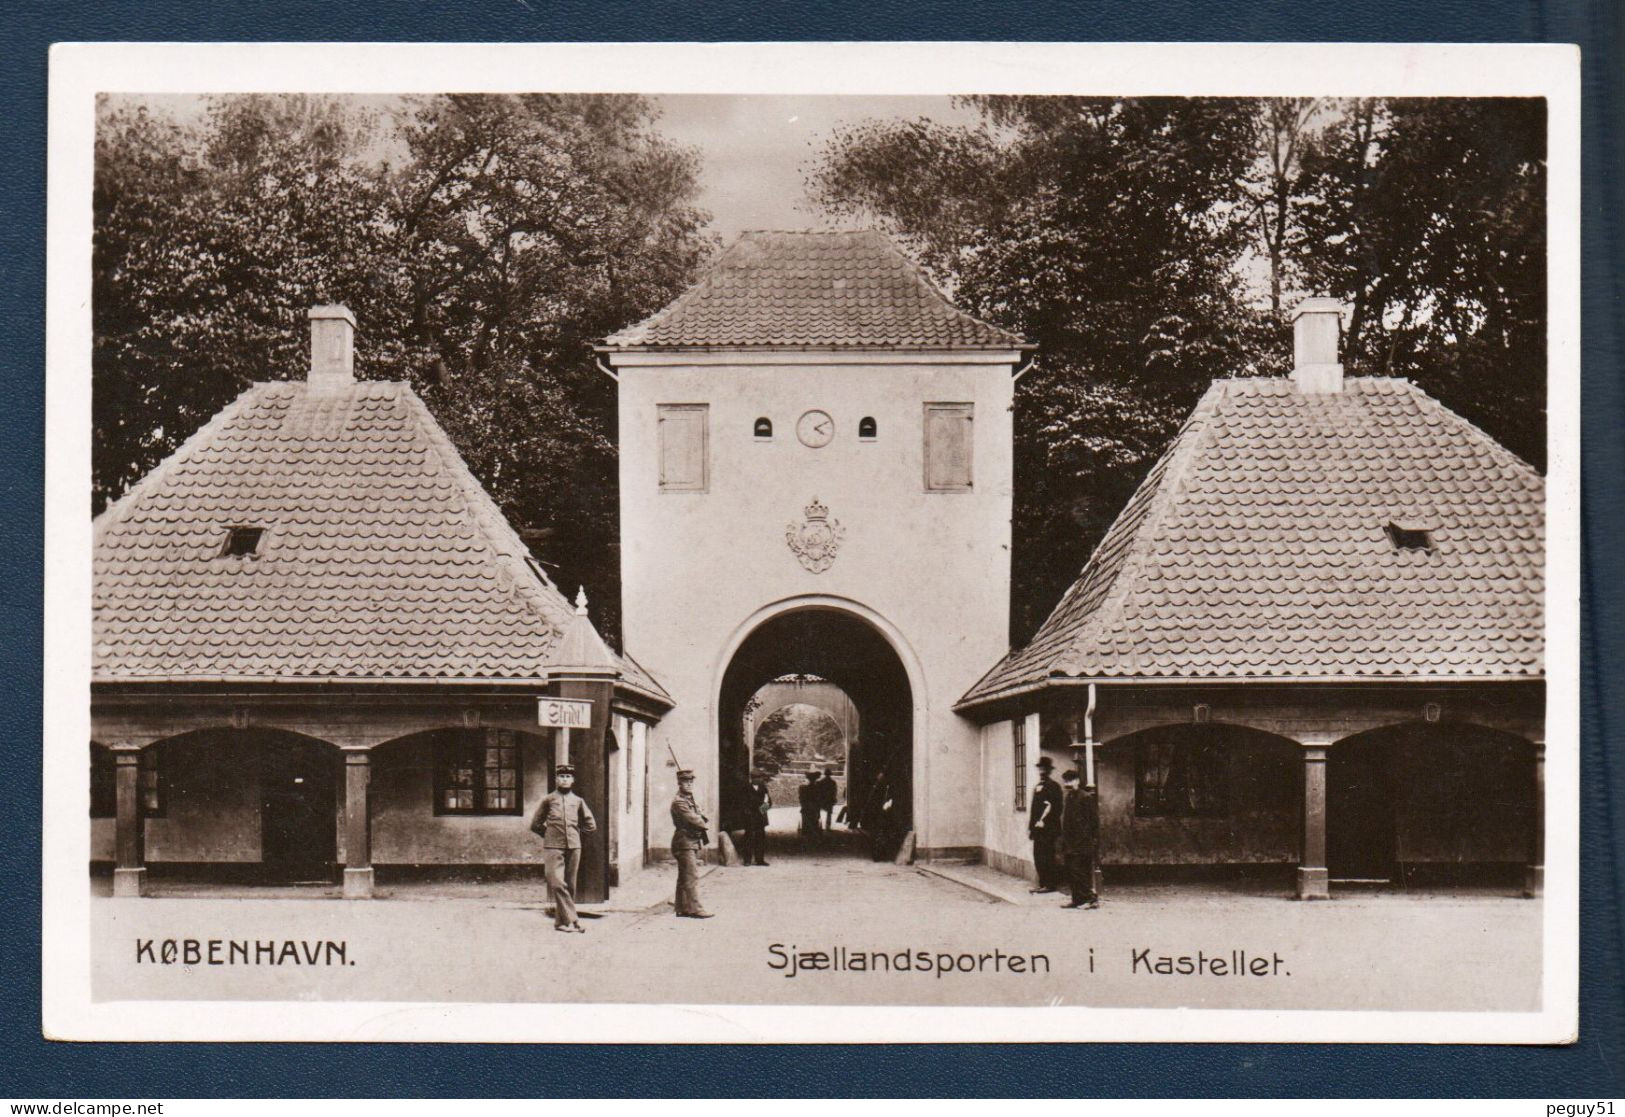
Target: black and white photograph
(735,547)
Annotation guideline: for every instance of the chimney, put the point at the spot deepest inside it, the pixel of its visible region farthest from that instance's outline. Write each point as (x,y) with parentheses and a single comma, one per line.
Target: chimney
(1315,367)
(332,347)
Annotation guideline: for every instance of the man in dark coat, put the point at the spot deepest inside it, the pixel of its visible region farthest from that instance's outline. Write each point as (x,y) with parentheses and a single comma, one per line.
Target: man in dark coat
(560,820)
(807,795)
(758,800)
(1080,840)
(691,836)
(1044,826)
(829,793)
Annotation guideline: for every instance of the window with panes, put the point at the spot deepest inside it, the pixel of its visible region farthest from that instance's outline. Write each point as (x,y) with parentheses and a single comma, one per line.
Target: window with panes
(1018,737)
(477,771)
(1181,778)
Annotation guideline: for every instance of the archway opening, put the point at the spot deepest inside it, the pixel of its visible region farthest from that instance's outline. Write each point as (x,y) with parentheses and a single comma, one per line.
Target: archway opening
(801,747)
(859,728)
(1427,803)
(1212,801)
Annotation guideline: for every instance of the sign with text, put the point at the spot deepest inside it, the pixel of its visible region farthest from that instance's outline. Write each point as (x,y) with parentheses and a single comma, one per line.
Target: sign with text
(563,713)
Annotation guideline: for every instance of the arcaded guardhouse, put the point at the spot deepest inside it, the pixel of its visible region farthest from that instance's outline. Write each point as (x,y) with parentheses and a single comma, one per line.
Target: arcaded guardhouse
(318,643)
(1309,650)
(1312,641)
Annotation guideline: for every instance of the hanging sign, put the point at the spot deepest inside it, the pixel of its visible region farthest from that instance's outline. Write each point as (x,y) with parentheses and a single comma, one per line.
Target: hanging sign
(563,713)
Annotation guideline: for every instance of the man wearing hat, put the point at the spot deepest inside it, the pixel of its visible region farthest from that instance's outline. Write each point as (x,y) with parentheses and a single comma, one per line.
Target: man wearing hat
(758,800)
(692,835)
(1080,832)
(561,819)
(1044,826)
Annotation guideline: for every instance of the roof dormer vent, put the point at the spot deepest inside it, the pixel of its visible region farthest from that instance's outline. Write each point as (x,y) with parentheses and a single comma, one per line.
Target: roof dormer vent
(242,542)
(1408,535)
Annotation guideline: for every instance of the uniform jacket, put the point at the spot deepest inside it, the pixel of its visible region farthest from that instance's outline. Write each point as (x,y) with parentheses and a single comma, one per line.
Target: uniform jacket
(692,826)
(1080,823)
(1045,816)
(561,819)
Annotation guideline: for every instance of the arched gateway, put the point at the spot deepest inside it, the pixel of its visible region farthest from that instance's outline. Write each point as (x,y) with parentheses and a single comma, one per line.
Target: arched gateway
(849,646)
(815,456)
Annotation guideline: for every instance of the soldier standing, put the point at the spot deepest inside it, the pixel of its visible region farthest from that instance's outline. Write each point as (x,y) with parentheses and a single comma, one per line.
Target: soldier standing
(561,819)
(692,835)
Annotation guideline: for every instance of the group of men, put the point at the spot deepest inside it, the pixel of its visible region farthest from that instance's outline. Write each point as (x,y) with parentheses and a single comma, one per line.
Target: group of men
(563,816)
(1065,821)
(818,797)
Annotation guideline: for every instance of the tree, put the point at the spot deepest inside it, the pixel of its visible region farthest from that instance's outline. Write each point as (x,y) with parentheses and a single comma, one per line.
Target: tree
(484,242)
(797,732)
(1428,218)
(1103,230)
(1148,247)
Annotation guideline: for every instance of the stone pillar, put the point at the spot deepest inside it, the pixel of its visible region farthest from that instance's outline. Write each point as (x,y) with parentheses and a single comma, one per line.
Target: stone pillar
(1314,880)
(129,869)
(357,825)
(1534,873)
(589,753)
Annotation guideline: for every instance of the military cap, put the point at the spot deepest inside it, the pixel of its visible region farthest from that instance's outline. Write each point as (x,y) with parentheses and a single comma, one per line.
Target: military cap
(565,770)
(685,773)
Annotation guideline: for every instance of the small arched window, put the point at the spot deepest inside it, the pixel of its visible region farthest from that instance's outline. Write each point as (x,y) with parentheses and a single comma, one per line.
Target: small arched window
(764,428)
(867,428)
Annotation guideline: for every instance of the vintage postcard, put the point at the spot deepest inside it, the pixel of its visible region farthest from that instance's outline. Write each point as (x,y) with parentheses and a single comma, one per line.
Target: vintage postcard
(798,542)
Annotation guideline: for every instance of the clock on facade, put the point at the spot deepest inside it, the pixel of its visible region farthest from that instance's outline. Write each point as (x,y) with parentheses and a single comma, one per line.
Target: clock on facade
(815,429)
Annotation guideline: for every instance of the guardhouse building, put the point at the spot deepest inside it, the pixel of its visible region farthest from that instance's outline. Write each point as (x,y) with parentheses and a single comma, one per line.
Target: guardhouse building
(317,641)
(1312,640)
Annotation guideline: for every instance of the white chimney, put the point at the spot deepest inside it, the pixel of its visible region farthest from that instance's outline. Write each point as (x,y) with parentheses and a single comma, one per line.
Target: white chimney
(332,347)
(1316,369)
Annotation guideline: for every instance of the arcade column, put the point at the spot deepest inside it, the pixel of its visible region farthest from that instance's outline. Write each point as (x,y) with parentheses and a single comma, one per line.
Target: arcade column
(129,868)
(1534,873)
(358,876)
(1314,879)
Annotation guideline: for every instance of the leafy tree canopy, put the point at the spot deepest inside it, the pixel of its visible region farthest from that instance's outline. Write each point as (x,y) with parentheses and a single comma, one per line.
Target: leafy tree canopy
(1149,246)
(484,242)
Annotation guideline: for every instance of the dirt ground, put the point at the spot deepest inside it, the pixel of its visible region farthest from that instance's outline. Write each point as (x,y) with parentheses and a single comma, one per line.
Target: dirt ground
(828,926)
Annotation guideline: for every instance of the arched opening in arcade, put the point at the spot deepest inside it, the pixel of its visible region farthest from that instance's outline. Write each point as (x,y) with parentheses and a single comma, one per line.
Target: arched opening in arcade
(227,804)
(811,695)
(1218,802)
(1424,803)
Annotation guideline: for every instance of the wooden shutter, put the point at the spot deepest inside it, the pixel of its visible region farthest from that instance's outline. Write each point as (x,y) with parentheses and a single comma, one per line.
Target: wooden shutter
(948,445)
(683,447)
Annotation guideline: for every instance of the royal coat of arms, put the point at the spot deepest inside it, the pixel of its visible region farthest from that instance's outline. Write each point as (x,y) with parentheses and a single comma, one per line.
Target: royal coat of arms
(815,538)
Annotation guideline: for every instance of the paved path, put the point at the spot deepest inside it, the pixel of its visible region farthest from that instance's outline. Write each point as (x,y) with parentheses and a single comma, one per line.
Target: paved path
(794,932)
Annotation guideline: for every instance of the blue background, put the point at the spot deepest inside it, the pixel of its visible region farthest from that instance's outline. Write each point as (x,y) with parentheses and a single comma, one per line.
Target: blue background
(32,1068)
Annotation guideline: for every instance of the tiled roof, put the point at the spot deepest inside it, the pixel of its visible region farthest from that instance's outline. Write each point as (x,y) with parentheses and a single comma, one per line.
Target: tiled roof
(813,290)
(1258,547)
(382,557)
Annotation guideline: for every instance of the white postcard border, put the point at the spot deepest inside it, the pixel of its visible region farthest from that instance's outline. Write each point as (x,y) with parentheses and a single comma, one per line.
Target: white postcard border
(79,71)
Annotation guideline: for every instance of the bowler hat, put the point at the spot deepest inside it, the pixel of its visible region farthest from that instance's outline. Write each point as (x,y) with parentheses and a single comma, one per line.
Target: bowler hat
(1045,763)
